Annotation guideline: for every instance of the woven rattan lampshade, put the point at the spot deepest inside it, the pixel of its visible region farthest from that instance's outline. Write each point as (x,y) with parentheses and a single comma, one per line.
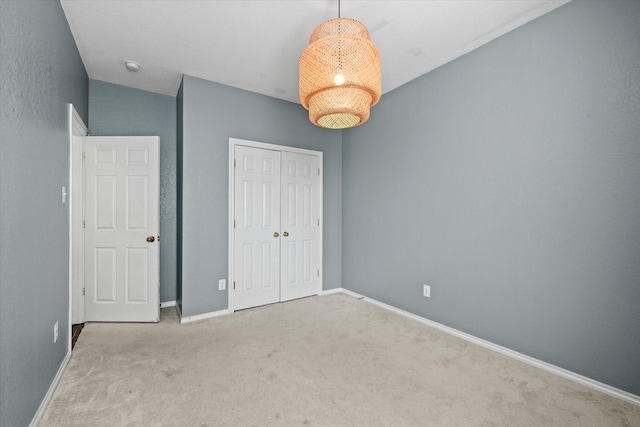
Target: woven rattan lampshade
(340,74)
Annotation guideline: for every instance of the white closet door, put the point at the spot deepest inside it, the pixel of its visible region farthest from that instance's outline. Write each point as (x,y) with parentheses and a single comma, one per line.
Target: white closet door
(300,214)
(257,227)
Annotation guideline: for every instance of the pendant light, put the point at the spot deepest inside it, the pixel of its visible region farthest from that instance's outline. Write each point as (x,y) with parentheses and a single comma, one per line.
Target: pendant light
(340,76)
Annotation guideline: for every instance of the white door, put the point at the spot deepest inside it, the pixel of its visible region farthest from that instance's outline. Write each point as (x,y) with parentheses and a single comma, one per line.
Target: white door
(257,227)
(121,229)
(300,213)
(277,249)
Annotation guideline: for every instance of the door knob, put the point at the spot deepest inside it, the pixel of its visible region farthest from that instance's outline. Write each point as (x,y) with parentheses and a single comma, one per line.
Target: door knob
(285,234)
(151,239)
(275,234)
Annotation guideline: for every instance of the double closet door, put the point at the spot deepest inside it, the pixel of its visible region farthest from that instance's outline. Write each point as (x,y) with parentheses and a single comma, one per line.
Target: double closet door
(277,251)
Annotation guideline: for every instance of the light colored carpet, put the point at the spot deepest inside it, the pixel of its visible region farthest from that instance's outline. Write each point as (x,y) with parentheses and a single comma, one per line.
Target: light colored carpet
(323,361)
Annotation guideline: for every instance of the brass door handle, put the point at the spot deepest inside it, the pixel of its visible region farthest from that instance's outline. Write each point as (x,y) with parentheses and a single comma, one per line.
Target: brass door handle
(276,234)
(151,239)
(285,234)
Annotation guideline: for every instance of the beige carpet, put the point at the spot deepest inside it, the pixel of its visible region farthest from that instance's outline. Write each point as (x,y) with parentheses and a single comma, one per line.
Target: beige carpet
(323,361)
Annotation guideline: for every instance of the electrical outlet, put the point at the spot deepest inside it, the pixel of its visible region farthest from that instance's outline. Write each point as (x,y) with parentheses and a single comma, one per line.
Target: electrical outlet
(426,291)
(55,332)
(222,284)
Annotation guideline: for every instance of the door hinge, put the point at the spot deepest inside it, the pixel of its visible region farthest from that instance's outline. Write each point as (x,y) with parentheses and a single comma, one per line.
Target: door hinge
(84,156)
(318,171)
(234,223)
(318,272)
(84,290)
(234,285)
(84,224)
(234,163)
(318,222)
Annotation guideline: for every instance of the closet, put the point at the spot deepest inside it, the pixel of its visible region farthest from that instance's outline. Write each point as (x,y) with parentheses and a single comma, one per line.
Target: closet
(276,230)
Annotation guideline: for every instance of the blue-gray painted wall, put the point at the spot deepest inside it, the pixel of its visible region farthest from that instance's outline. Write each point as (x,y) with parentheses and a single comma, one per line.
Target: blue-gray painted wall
(509,180)
(40,72)
(211,114)
(118,110)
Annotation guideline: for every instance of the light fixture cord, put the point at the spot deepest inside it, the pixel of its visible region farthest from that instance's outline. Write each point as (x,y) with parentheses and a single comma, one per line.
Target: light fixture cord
(339,46)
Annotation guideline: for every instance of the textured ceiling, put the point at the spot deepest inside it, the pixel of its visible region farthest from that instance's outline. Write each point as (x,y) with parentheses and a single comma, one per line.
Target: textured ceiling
(256,44)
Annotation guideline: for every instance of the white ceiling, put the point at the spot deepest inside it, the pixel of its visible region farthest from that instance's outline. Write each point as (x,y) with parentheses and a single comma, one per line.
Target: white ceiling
(256,44)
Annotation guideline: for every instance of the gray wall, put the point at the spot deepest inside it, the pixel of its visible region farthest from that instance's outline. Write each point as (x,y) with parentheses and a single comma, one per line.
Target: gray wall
(117,110)
(211,114)
(509,180)
(40,73)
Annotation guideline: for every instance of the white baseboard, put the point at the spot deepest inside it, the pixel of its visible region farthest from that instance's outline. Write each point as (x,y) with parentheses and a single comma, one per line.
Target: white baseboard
(167,304)
(203,316)
(596,385)
(331,291)
(47,397)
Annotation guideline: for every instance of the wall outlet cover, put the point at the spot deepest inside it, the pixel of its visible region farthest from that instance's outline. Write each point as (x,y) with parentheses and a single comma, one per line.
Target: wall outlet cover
(426,291)
(222,284)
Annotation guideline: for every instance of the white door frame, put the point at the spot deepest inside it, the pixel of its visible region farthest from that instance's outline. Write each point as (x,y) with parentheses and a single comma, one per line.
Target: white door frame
(77,128)
(232,145)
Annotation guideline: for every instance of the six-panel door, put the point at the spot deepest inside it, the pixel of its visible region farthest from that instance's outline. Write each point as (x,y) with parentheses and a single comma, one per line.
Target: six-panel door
(300,242)
(257,227)
(121,229)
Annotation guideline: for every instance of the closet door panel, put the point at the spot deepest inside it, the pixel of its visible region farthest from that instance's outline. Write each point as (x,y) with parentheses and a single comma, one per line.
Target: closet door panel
(301,243)
(257,227)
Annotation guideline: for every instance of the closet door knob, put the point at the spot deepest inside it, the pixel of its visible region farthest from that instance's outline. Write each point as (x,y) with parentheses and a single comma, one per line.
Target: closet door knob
(285,234)
(276,234)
